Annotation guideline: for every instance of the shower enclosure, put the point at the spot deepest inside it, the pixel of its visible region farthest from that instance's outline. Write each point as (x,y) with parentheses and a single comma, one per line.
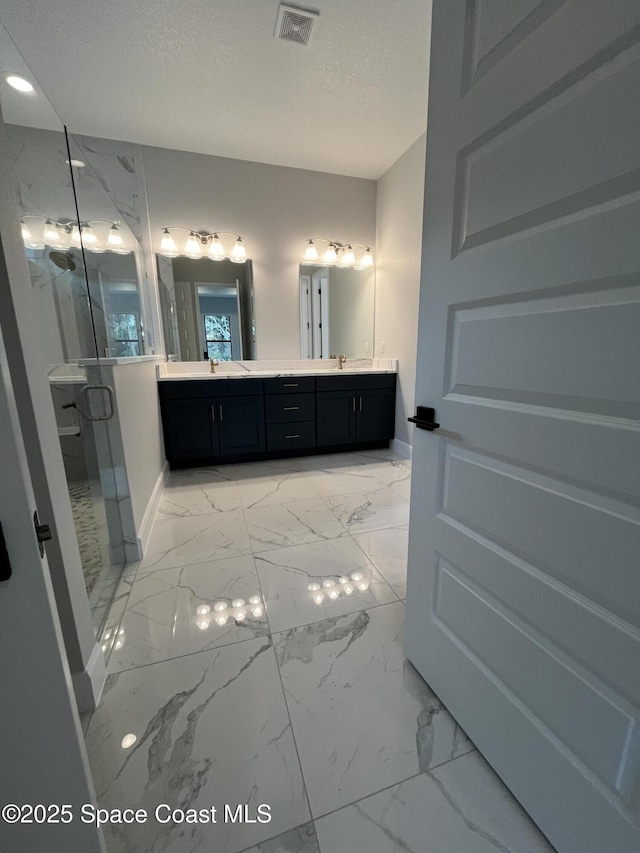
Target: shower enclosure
(85,267)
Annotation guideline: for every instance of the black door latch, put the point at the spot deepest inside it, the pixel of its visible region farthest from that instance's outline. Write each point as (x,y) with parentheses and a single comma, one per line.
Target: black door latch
(43,532)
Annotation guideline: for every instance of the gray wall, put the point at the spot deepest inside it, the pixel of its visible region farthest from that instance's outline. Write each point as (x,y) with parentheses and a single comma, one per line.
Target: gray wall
(399,248)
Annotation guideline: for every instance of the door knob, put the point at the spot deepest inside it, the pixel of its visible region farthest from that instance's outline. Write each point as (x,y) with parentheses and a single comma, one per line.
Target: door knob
(425,418)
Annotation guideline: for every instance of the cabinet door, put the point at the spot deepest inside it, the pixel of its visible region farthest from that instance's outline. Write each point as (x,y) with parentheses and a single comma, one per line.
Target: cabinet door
(376,414)
(336,417)
(190,429)
(241,424)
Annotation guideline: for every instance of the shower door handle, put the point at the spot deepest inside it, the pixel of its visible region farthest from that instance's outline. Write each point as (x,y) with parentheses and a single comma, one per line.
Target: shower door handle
(88,413)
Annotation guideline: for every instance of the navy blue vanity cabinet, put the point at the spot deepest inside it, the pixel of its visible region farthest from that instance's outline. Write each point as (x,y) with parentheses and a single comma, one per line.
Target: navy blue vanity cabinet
(355,409)
(190,429)
(336,417)
(240,422)
(205,421)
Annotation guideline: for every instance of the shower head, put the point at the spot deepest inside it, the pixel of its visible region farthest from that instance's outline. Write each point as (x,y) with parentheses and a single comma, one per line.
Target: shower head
(63,260)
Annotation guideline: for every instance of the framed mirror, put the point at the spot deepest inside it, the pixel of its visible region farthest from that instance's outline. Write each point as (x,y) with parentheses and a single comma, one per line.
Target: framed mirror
(207,309)
(336,311)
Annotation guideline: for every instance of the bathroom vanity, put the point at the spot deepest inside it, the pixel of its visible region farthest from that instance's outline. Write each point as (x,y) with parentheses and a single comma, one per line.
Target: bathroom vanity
(257,410)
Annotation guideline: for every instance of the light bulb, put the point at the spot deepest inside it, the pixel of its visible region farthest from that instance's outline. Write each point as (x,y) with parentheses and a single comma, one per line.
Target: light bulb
(221,619)
(128,740)
(75,236)
(363,586)
(318,598)
(237,602)
(193,246)
(218,606)
(19,83)
(255,599)
(257,611)
(77,164)
(168,246)
(203,624)
(347,259)
(51,233)
(367,259)
(344,580)
(27,236)
(333,594)
(88,235)
(313,587)
(356,576)
(311,253)
(119,644)
(107,636)
(327,583)
(238,253)
(115,237)
(216,249)
(240,615)
(348,589)
(330,256)
(203,609)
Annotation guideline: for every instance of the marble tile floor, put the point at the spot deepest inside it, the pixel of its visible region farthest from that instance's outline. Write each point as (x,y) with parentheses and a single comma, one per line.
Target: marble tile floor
(256,658)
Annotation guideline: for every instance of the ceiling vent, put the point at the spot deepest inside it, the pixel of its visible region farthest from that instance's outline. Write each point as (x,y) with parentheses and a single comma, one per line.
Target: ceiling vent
(297,25)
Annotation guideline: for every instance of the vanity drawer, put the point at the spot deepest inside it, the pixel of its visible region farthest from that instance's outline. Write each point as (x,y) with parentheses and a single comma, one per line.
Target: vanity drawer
(181,389)
(294,436)
(289,384)
(287,408)
(356,382)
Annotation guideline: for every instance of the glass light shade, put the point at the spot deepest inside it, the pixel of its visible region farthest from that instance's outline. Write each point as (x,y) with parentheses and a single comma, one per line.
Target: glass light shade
(193,246)
(367,259)
(27,236)
(168,245)
(51,233)
(330,256)
(311,253)
(88,235)
(216,249)
(75,236)
(347,259)
(19,83)
(238,253)
(114,240)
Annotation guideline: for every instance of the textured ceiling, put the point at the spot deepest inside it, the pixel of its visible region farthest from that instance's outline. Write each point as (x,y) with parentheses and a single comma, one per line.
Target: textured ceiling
(209,76)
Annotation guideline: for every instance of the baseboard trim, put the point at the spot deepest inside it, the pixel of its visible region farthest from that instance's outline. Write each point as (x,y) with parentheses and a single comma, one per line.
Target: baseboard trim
(401,447)
(152,508)
(89,684)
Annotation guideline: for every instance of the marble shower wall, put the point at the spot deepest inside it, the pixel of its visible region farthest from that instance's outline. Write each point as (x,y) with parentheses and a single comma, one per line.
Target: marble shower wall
(119,169)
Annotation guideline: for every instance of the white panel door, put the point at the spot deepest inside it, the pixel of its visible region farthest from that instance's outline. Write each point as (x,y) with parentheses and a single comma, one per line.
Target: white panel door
(523,604)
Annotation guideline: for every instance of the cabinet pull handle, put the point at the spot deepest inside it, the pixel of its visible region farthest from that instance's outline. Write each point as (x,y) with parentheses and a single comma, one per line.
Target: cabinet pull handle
(360,403)
(353,402)
(289,384)
(213,413)
(292,436)
(290,408)
(221,418)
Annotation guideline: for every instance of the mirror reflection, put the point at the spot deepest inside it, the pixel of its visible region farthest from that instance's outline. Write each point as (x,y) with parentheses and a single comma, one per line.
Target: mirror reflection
(336,311)
(207,309)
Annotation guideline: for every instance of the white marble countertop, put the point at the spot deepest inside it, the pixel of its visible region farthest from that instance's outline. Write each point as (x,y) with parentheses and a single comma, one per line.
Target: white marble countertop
(262,369)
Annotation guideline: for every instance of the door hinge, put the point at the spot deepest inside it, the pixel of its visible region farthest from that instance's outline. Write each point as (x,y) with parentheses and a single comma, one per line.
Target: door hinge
(43,532)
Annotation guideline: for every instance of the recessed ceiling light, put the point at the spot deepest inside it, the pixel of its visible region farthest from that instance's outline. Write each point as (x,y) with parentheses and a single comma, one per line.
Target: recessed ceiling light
(19,83)
(78,164)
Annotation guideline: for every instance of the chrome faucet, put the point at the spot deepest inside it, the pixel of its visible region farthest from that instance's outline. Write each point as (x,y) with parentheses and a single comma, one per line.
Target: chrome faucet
(213,363)
(341,360)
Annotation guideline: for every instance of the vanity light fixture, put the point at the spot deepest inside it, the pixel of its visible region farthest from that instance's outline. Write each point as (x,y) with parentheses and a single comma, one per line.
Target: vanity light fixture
(40,231)
(199,243)
(341,254)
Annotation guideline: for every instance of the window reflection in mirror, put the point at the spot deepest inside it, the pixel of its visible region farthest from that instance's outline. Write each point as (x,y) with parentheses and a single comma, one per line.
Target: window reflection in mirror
(336,311)
(207,309)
